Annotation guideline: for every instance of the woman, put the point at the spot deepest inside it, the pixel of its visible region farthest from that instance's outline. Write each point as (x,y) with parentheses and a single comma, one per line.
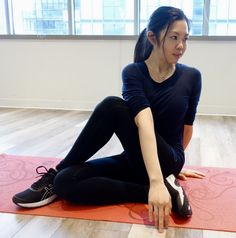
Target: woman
(153,123)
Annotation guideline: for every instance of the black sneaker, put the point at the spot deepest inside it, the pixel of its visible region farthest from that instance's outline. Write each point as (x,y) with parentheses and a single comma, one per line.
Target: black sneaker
(40,193)
(180,203)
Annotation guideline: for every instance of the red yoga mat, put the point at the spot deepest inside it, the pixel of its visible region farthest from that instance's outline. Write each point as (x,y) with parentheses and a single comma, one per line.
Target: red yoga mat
(213,198)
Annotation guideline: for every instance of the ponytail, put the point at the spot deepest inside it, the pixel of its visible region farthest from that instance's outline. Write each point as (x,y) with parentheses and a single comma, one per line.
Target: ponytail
(143,47)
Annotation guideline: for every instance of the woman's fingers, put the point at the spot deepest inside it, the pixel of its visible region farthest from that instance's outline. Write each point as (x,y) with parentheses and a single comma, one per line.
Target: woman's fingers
(195,174)
(160,217)
(190,173)
(198,176)
(199,173)
(155,215)
(150,212)
(167,216)
(182,177)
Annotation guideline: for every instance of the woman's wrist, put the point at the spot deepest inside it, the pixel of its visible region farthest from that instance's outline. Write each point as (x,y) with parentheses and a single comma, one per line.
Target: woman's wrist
(156,181)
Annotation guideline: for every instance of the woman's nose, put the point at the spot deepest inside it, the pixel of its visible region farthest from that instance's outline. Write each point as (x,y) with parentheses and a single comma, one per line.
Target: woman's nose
(180,45)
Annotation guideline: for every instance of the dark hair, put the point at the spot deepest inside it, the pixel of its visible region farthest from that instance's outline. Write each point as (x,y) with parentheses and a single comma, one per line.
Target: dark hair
(160,19)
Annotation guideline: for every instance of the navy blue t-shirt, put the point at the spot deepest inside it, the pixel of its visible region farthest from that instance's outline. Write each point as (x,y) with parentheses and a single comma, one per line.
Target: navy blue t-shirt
(173,102)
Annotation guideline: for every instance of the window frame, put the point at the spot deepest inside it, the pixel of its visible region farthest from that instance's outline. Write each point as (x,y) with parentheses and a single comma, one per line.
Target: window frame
(71,32)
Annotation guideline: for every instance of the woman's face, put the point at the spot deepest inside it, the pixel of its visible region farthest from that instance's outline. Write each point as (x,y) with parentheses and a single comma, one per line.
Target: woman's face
(175,42)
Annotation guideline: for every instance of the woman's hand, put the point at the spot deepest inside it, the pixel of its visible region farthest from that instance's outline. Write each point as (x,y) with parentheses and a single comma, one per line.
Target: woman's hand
(159,202)
(185,173)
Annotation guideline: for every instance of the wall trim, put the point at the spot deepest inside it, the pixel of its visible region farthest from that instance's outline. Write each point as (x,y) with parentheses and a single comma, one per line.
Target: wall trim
(48,104)
(90,105)
(216,110)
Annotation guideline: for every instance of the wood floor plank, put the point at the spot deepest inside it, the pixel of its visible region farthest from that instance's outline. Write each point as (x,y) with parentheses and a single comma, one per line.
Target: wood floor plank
(73,228)
(40,227)
(89,229)
(140,231)
(218,234)
(11,224)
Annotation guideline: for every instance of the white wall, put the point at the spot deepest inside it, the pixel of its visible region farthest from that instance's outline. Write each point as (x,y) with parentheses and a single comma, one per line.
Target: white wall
(77,74)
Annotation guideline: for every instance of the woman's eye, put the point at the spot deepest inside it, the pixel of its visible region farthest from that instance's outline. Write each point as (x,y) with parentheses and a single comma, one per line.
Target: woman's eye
(173,37)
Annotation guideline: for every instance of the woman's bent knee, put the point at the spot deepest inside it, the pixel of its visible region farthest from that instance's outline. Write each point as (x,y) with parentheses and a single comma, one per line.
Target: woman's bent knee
(111,100)
(66,188)
(61,183)
(112,105)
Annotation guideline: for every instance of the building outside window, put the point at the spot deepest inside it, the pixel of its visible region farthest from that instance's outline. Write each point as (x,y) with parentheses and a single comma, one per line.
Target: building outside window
(41,17)
(192,8)
(104,17)
(222,19)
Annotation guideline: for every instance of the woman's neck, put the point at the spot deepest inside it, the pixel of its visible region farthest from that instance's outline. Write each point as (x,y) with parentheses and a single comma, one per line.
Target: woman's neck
(159,68)
(159,63)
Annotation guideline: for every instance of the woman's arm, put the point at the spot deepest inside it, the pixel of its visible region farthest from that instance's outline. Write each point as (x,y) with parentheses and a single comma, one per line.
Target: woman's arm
(159,197)
(188,132)
(144,122)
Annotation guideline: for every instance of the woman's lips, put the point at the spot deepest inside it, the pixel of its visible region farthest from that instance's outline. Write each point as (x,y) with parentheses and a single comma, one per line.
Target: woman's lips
(177,55)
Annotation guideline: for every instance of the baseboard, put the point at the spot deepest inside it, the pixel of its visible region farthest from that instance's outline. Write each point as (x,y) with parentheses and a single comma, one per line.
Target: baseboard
(49,104)
(216,110)
(90,105)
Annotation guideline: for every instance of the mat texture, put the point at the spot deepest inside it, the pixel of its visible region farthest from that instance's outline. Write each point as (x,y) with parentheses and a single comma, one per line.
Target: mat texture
(213,198)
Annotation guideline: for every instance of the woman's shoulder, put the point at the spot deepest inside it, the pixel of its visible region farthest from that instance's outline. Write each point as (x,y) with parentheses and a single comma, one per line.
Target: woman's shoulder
(191,76)
(189,69)
(132,68)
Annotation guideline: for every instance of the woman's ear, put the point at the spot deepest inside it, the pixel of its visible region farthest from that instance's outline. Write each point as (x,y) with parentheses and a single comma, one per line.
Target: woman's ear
(152,38)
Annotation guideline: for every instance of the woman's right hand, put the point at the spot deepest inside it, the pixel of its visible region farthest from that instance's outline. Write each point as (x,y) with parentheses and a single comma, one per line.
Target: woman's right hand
(191,173)
(159,203)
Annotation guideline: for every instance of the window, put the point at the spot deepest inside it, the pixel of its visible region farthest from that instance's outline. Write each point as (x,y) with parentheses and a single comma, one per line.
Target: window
(40,17)
(104,17)
(3,27)
(110,17)
(192,8)
(222,19)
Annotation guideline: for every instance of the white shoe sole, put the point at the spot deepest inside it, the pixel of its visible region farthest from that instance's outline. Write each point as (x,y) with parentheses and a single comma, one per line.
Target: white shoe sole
(38,204)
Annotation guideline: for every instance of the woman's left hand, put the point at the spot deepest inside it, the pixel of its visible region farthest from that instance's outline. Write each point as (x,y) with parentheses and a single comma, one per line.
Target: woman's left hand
(185,173)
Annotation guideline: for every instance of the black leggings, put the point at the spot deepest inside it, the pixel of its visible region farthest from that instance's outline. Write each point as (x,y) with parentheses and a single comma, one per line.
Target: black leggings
(114,179)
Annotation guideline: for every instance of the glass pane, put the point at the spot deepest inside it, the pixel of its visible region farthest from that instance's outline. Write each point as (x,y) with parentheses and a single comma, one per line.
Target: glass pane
(219,9)
(3,29)
(222,17)
(232,29)
(192,8)
(41,17)
(104,17)
(232,7)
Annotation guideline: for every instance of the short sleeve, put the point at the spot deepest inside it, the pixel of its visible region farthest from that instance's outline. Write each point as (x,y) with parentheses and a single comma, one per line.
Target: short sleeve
(133,89)
(194,98)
